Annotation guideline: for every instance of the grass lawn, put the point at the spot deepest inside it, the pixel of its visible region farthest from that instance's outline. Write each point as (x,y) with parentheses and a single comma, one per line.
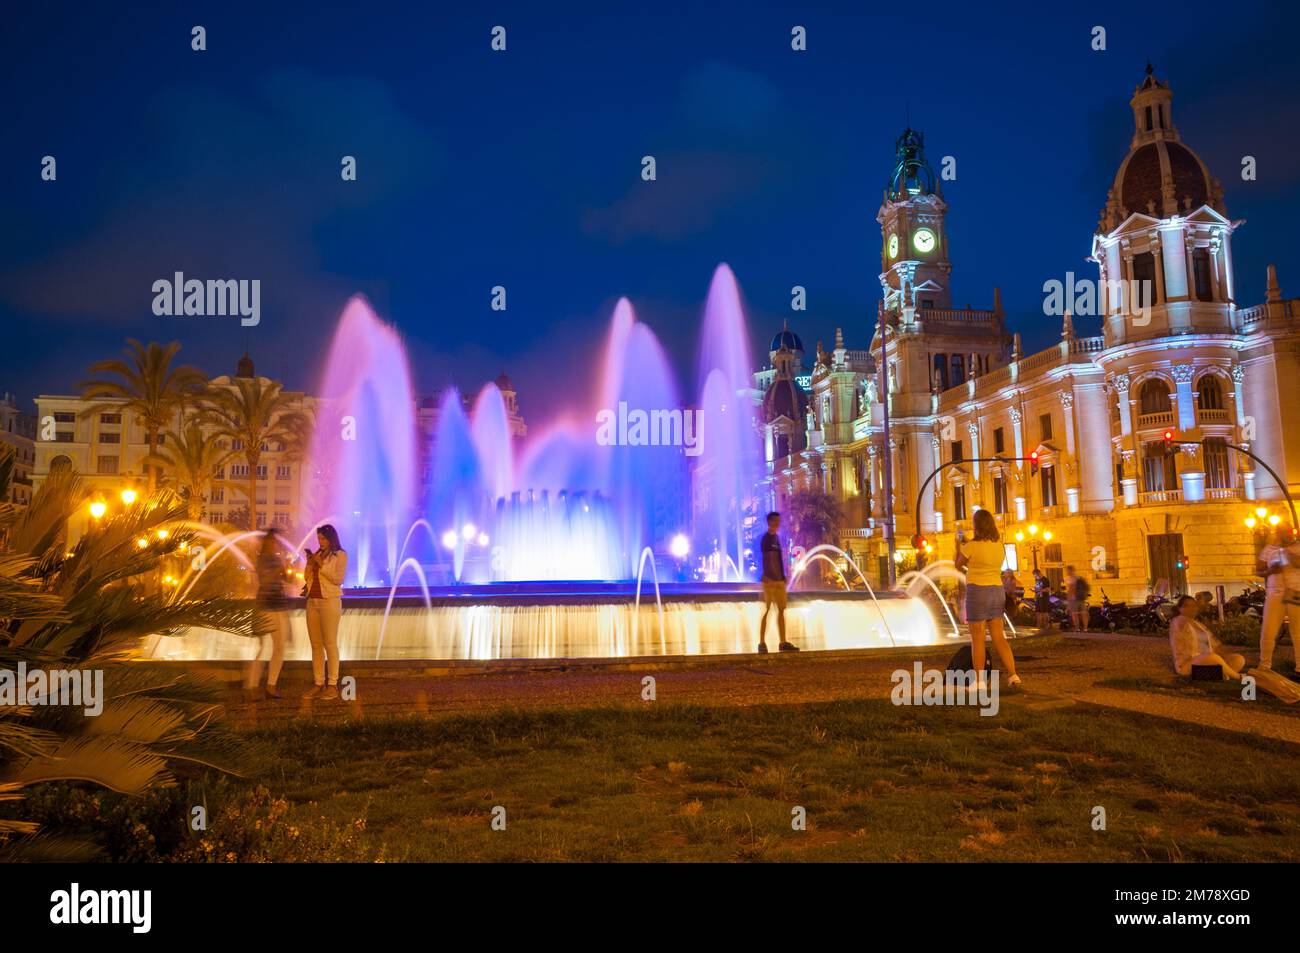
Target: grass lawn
(673,782)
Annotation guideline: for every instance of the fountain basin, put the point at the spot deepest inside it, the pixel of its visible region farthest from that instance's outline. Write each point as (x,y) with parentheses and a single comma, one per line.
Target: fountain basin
(581,620)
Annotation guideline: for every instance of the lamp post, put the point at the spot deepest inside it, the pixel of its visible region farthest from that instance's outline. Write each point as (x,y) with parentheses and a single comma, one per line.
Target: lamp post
(1035,544)
(890,562)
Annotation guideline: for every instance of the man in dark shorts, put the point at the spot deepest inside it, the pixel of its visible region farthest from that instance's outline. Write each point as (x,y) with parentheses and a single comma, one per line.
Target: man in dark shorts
(773,585)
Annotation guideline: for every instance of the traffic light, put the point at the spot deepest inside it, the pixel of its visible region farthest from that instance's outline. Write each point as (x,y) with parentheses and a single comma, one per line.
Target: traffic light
(1182,563)
(1169,442)
(1033,463)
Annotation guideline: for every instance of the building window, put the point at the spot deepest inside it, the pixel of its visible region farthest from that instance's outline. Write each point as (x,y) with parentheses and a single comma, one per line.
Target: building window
(1201,274)
(115,419)
(236,445)
(261,520)
(959,502)
(283,472)
(1217,474)
(1154,398)
(261,471)
(1144,273)
(282,499)
(63,436)
(999,495)
(958,370)
(217,495)
(1045,427)
(958,455)
(106,437)
(999,440)
(281,520)
(65,417)
(106,465)
(1209,393)
(941,370)
(1047,479)
(1159,472)
(239,471)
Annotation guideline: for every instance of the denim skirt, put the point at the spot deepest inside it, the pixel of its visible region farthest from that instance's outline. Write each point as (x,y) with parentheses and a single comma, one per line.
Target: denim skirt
(984,603)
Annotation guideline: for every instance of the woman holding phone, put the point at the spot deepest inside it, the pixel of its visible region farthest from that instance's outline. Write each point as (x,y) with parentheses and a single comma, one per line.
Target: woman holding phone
(325,571)
(985,599)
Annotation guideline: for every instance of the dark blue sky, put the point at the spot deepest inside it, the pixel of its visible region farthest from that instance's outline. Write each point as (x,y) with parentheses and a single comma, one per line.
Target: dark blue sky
(523,169)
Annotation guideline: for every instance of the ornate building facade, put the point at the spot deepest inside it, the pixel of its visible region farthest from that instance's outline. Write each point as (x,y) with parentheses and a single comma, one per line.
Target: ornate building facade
(1117,453)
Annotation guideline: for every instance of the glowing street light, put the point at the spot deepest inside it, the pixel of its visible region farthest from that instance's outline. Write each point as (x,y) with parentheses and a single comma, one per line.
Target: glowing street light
(129,496)
(1020,537)
(483,539)
(142,542)
(449,539)
(1274,519)
(680,546)
(163,534)
(469,530)
(1261,511)
(1251,522)
(98,509)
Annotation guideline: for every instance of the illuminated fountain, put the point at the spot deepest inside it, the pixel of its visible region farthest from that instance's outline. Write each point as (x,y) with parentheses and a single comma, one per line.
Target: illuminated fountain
(554,547)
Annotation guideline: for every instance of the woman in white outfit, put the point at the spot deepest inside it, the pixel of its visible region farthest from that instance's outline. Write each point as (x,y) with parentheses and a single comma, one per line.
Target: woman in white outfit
(1193,644)
(1279,563)
(325,571)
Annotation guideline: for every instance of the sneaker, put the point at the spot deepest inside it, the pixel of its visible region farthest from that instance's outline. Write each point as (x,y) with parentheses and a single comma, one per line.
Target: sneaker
(762,648)
(787,647)
(313,692)
(328,692)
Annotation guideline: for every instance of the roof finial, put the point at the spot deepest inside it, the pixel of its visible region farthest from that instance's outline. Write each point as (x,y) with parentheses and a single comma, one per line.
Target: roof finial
(1150,68)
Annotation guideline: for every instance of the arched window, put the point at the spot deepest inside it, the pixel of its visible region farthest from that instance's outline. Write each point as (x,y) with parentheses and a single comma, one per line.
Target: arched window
(941,370)
(1209,393)
(958,370)
(1153,398)
(60,463)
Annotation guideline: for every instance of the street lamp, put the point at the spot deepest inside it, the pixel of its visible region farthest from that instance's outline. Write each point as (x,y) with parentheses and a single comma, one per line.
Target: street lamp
(129,496)
(97,509)
(1035,544)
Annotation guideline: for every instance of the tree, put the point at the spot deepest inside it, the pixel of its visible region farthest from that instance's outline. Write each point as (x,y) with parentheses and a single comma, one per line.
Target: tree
(85,609)
(191,458)
(814,516)
(254,413)
(150,388)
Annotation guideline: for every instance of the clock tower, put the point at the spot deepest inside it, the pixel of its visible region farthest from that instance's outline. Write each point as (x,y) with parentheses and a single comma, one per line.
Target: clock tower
(915,269)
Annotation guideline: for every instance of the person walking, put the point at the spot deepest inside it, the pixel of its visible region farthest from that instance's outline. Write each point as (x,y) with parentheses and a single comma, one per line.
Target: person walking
(1042,600)
(1077,591)
(325,571)
(1279,563)
(273,609)
(985,598)
(774,585)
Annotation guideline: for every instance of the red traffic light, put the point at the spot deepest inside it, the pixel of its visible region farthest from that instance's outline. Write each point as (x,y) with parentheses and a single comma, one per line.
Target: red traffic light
(1169,436)
(1033,462)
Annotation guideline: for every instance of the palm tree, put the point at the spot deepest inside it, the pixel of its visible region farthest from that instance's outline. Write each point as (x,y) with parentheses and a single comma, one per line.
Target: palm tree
(254,413)
(84,609)
(150,388)
(191,457)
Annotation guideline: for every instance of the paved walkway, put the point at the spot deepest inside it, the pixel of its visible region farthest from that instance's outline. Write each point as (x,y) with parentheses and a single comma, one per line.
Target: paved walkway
(1056,672)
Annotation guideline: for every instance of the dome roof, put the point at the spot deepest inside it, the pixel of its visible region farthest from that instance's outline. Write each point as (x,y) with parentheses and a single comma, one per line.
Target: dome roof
(245,366)
(784,398)
(786,340)
(503,383)
(1140,184)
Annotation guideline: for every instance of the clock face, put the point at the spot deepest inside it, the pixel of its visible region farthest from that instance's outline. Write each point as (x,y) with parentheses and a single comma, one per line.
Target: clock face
(924,240)
(893,246)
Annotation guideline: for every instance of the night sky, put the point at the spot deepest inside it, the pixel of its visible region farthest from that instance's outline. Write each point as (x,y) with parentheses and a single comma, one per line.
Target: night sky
(522,169)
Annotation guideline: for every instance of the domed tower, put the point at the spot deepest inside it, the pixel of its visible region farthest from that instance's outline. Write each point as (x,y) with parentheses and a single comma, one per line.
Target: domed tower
(245,367)
(785,405)
(1163,242)
(510,397)
(914,261)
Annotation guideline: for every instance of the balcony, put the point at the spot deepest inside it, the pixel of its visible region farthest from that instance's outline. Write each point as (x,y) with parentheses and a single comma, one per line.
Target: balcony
(1163,419)
(1223,493)
(1161,496)
(1212,416)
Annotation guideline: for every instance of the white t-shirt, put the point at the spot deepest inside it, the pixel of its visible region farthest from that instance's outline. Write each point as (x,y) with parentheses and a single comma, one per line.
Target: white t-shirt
(1189,639)
(1276,557)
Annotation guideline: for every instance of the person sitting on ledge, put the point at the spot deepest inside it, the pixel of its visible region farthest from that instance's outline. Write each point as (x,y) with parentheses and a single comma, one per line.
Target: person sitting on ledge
(1194,644)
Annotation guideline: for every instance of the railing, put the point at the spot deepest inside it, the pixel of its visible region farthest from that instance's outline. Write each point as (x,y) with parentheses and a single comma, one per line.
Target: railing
(1161,496)
(1162,419)
(1223,493)
(1212,416)
(955,316)
(1087,345)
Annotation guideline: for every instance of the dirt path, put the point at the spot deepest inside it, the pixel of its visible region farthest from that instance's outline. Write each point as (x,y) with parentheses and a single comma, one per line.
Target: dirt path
(1056,672)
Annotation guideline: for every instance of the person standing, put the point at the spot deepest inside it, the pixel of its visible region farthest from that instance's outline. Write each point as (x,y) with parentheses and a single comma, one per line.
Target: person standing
(985,598)
(274,611)
(1042,599)
(774,585)
(325,571)
(1279,563)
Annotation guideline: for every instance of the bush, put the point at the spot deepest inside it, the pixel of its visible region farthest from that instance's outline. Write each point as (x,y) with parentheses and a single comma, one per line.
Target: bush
(1237,630)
